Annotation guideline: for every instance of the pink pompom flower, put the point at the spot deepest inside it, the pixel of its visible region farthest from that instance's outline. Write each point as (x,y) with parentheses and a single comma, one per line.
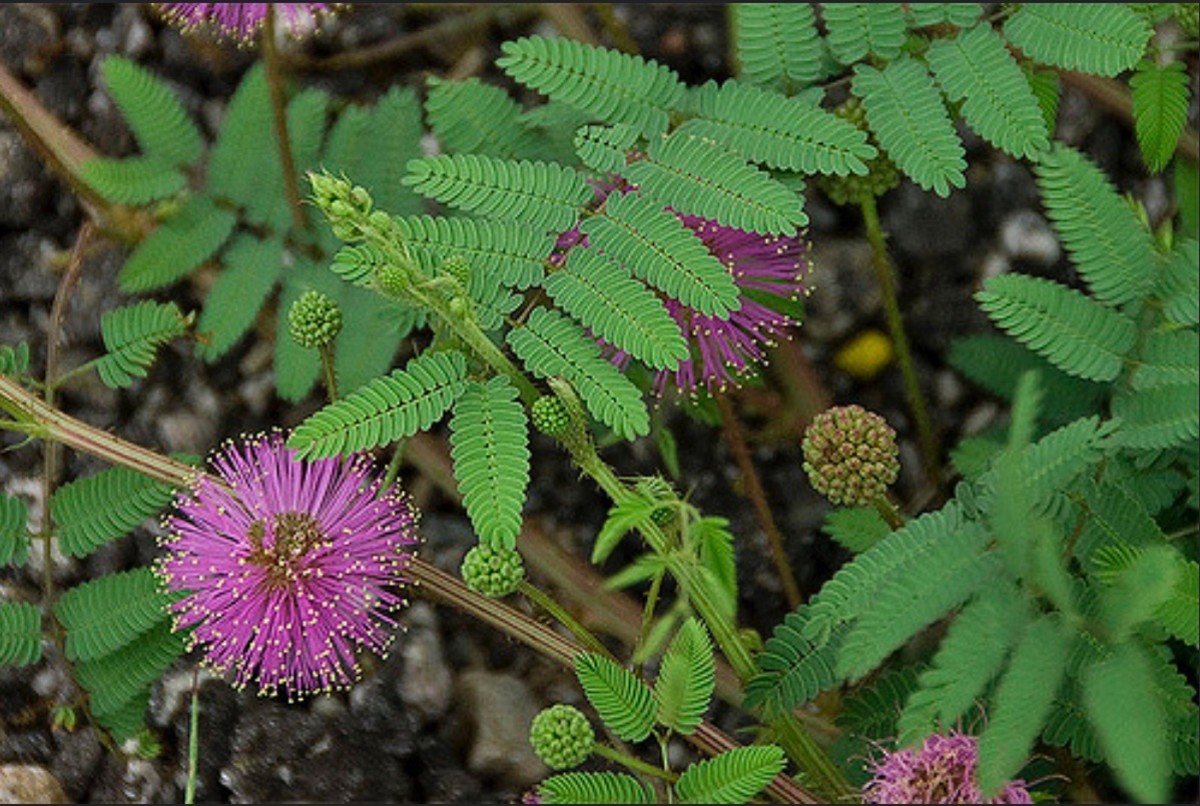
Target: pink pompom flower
(287,568)
(242,21)
(942,770)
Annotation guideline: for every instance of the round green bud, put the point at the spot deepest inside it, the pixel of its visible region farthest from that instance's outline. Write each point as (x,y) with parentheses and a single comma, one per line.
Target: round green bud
(562,737)
(494,572)
(459,268)
(550,416)
(380,221)
(850,455)
(458,306)
(314,319)
(881,174)
(360,198)
(392,280)
(662,515)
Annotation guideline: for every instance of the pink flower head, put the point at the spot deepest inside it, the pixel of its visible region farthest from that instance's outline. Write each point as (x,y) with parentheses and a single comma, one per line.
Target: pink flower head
(242,21)
(943,770)
(289,567)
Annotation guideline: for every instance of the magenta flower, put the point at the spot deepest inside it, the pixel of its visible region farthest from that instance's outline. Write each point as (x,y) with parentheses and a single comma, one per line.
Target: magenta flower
(723,350)
(943,770)
(289,567)
(242,21)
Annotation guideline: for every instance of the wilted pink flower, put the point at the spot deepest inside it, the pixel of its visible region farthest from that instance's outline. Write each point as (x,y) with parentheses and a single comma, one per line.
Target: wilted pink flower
(242,21)
(289,567)
(943,770)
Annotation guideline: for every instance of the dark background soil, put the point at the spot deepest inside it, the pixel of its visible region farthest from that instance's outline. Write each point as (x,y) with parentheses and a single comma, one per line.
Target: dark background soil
(443,719)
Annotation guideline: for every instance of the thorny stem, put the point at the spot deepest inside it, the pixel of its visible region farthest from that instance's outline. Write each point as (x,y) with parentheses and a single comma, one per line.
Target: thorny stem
(635,764)
(560,614)
(275,82)
(732,430)
(885,275)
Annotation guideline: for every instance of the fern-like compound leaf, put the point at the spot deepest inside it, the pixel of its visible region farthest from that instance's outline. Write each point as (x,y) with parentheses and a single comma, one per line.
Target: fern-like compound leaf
(1160,103)
(552,345)
(734,776)
(252,267)
(1123,706)
(241,156)
(698,177)
(14,532)
(358,264)
(632,512)
(132,336)
(176,246)
(686,679)
(1022,701)
(539,194)
(780,132)
(594,788)
(1163,417)
(489,446)
(1167,358)
(615,87)
(872,710)
(795,668)
(1180,614)
(1113,252)
(392,407)
(20,633)
(153,112)
(93,510)
(962,15)
(617,308)
(909,118)
(1179,285)
(135,180)
(500,252)
(777,44)
(623,701)
(605,148)
(856,29)
(473,117)
(267,203)
(999,104)
(105,614)
(1100,38)
(112,681)
(855,528)
(127,721)
(655,245)
(1074,333)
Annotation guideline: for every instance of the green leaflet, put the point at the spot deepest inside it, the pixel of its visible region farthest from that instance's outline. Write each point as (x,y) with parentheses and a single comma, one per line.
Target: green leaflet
(105,614)
(734,776)
(1168,357)
(177,245)
(855,528)
(612,86)
(604,148)
(134,180)
(157,118)
(778,46)
(20,633)
(623,701)
(908,117)
(112,681)
(388,408)
(655,245)
(1179,284)
(963,15)
(505,252)
(1101,38)
(538,194)
(132,336)
(473,117)
(14,531)
(489,447)
(93,510)
(856,29)
(1160,102)
(617,308)
(252,267)
(686,679)
(594,788)
(1163,417)
(795,668)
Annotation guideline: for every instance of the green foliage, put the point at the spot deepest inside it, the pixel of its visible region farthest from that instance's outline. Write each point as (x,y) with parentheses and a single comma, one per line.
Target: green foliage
(977,68)
(778,46)
(624,703)
(855,528)
(1160,101)
(603,148)
(14,532)
(388,408)
(108,613)
(1101,38)
(179,244)
(632,512)
(252,267)
(132,336)
(91,511)
(1072,332)
(612,86)
(489,447)
(504,252)
(656,246)
(135,180)
(540,194)
(473,117)
(593,788)
(1162,417)
(780,132)
(116,680)
(858,29)
(162,127)
(961,14)
(686,679)
(698,177)
(20,633)
(14,361)
(617,308)
(734,776)
(908,117)
(794,668)
(551,345)
(1168,358)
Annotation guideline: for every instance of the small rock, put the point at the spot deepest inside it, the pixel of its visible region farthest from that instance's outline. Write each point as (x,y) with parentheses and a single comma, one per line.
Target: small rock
(426,682)
(25,266)
(62,89)
(30,32)
(132,780)
(132,30)
(76,762)
(24,184)
(29,783)
(993,265)
(502,709)
(1025,235)
(844,291)
(950,390)
(927,228)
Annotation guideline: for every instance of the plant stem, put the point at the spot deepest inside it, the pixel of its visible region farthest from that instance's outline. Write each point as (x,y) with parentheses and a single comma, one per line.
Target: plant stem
(732,430)
(331,384)
(559,613)
(189,795)
(648,615)
(886,277)
(275,83)
(888,512)
(634,764)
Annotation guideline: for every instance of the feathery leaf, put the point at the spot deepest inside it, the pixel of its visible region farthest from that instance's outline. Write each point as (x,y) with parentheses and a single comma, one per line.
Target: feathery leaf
(686,679)
(623,701)
(734,776)
(1160,103)
(107,613)
(20,633)
(778,46)
(132,336)
(93,510)
(1101,38)
(176,246)
(153,112)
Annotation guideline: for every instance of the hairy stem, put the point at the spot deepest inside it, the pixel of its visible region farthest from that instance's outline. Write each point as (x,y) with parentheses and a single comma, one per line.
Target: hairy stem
(189,795)
(633,764)
(327,367)
(275,82)
(560,614)
(648,614)
(886,277)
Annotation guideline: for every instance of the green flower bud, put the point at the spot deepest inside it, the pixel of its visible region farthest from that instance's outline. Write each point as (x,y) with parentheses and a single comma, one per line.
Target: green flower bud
(459,268)
(850,455)
(550,416)
(1188,17)
(562,737)
(494,572)
(314,320)
(881,175)
(393,280)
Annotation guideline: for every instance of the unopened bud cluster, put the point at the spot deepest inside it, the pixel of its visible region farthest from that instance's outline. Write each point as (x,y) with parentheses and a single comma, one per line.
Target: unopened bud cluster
(850,455)
(314,320)
(348,207)
(562,737)
(549,415)
(492,571)
(881,174)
